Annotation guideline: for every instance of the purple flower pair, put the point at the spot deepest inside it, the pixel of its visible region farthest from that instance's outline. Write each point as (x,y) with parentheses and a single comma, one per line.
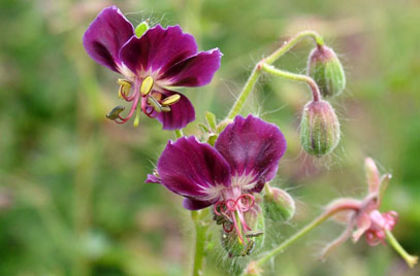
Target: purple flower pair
(245,157)
(151,65)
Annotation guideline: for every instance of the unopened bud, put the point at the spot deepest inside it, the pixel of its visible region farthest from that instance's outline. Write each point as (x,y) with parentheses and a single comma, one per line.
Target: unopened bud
(319,128)
(251,242)
(278,204)
(326,69)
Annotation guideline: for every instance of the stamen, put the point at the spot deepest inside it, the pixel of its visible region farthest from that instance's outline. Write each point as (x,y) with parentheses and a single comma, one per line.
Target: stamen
(171,100)
(233,211)
(124,90)
(146,85)
(115,112)
(132,110)
(154,103)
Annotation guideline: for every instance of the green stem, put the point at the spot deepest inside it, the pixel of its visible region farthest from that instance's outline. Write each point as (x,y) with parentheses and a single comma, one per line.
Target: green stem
(249,85)
(410,259)
(201,227)
(317,221)
(246,90)
(292,76)
(291,43)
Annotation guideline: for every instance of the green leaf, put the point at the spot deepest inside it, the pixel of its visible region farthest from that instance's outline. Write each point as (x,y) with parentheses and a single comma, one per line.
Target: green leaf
(211,120)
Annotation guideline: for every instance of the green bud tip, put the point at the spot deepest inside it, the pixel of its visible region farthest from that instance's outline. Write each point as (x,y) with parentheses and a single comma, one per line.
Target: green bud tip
(141,28)
(326,69)
(278,204)
(319,128)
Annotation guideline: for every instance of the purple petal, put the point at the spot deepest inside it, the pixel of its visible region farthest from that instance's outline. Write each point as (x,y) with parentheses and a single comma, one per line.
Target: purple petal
(253,149)
(194,71)
(181,114)
(158,49)
(192,204)
(106,35)
(193,169)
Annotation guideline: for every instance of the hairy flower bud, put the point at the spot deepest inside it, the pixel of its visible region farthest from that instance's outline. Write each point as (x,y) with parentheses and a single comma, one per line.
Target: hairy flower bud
(253,240)
(319,128)
(278,204)
(326,69)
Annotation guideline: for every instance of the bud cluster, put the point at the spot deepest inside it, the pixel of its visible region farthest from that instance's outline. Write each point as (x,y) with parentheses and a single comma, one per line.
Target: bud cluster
(320,128)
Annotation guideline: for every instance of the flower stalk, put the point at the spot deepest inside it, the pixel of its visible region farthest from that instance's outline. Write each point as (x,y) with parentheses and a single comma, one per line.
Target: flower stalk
(316,95)
(409,259)
(312,225)
(256,72)
(201,227)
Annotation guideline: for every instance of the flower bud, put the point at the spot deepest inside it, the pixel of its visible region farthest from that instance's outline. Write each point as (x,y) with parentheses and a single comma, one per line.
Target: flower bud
(278,204)
(253,240)
(319,128)
(326,69)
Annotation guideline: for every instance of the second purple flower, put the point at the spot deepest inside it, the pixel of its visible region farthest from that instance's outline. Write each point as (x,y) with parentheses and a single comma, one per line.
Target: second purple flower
(151,65)
(228,175)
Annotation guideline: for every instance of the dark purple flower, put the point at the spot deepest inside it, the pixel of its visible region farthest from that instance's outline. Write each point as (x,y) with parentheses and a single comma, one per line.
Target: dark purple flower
(245,157)
(151,64)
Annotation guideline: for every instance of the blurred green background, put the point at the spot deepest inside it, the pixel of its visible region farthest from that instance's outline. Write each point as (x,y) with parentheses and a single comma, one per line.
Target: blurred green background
(72,197)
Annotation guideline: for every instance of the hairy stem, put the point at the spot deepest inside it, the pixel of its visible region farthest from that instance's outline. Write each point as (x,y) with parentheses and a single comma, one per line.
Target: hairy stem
(332,210)
(316,95)
(201,226)
(410,259)
(252,79)
(291,43)
(246,90)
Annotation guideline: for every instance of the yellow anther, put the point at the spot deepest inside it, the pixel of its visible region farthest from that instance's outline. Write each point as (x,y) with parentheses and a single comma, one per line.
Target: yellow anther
(146,85)
(171,100)
(165,108)
(125,87)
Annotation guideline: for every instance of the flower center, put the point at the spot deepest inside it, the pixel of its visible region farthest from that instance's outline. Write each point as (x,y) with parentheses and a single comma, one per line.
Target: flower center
(152,101)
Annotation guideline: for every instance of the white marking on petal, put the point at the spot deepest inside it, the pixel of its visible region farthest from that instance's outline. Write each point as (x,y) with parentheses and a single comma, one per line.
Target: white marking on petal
(245,182)
(213,192)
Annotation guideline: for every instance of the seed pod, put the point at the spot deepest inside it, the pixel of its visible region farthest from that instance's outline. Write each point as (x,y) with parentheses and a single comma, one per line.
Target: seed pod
(252,240)
(319,128)
(278,204)
(326,69)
